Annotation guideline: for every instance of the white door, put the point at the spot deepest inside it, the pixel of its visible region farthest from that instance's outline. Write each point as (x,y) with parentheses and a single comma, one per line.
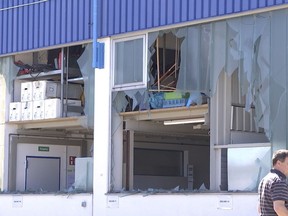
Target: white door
(42,173)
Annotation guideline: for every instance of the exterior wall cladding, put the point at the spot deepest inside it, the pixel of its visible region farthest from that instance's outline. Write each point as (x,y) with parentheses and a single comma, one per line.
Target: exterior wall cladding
(33,24)
(121,16)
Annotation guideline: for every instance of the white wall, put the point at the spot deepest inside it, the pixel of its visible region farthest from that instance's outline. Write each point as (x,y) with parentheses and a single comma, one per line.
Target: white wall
(46,205)
(2,127)
(131,205)
(183,205)
(5,130)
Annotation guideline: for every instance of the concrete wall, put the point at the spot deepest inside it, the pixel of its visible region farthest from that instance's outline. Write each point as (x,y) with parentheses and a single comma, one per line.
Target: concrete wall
(131,205)
(46,205)
(183,204)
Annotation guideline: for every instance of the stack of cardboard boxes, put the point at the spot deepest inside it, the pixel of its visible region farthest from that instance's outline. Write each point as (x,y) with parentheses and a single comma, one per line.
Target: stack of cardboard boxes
(41,100)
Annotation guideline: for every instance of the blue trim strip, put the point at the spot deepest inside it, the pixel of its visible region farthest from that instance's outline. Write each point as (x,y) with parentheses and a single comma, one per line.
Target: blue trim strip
(98,48)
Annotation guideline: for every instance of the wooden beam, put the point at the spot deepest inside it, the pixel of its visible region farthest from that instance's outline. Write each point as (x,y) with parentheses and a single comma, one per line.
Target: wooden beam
(69,122)
(167,113)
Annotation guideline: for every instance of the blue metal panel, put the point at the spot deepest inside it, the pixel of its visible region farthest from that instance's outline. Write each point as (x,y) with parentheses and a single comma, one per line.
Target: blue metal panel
(121,16)
(143,14)
(33,24)
(98,48)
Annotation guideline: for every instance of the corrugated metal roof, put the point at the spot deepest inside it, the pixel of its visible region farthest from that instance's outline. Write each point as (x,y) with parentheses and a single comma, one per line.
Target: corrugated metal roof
(121,16)
(33,24)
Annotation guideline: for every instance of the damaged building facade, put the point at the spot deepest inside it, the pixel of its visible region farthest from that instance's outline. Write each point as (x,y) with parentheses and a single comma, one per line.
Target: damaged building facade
(197,102)
(185,110)
(47,106)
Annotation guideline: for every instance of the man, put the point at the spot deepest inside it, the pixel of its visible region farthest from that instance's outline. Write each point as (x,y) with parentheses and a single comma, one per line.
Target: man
(273,189)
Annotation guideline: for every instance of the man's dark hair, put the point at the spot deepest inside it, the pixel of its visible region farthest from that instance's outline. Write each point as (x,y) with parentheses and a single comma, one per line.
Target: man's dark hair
(279,155)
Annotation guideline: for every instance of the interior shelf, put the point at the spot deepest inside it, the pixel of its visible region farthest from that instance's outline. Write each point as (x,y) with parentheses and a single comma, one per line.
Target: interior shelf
(46,75)
(167,113)
(71,122)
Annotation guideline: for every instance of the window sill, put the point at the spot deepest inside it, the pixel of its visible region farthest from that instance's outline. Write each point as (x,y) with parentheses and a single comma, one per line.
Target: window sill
(66,122)
(167,113)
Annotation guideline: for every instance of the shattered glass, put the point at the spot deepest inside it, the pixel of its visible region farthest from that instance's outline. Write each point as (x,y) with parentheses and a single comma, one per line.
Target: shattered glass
(87,71)
(254,46)
(9,71)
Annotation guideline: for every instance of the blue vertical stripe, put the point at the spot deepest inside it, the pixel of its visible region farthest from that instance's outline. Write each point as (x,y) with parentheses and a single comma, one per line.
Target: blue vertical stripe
(123,24)
(98,48)
(206,8)
(192,9)
(214,8)
(129,20)
(143,15)
(30,26)
(58,8)
(162,11)
(156,16)
(136,14)
(69,26)
(170,10)
(117,16)
(150,14)
(183,10)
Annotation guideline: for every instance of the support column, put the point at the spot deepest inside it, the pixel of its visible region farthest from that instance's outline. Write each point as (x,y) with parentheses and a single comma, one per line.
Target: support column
(2,129)
(102,139)
(220,112)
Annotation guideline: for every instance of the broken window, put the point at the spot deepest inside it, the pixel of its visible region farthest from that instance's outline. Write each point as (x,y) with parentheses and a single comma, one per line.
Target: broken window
(67,75)
(249,50)
(246,56)
(52,145)
(164,62)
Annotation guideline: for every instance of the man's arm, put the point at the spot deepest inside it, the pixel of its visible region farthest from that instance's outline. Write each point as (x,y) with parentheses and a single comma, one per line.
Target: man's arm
(280,208)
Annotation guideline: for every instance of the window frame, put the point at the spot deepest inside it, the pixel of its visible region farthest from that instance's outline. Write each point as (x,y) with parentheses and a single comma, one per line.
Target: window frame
(132,85)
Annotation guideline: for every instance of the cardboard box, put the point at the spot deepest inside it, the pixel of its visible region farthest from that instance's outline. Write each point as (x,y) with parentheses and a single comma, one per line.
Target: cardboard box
(48,89)
(26,110)
(73,108)
(45,89)
(15,111)
(53,108)
(26,91)
(38,109)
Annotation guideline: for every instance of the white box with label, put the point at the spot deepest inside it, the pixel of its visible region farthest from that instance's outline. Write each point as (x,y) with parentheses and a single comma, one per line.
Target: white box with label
(53,108)
(48,89)
(45,89)
(38,109)
(26,91)
(15,111)
(26,110)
